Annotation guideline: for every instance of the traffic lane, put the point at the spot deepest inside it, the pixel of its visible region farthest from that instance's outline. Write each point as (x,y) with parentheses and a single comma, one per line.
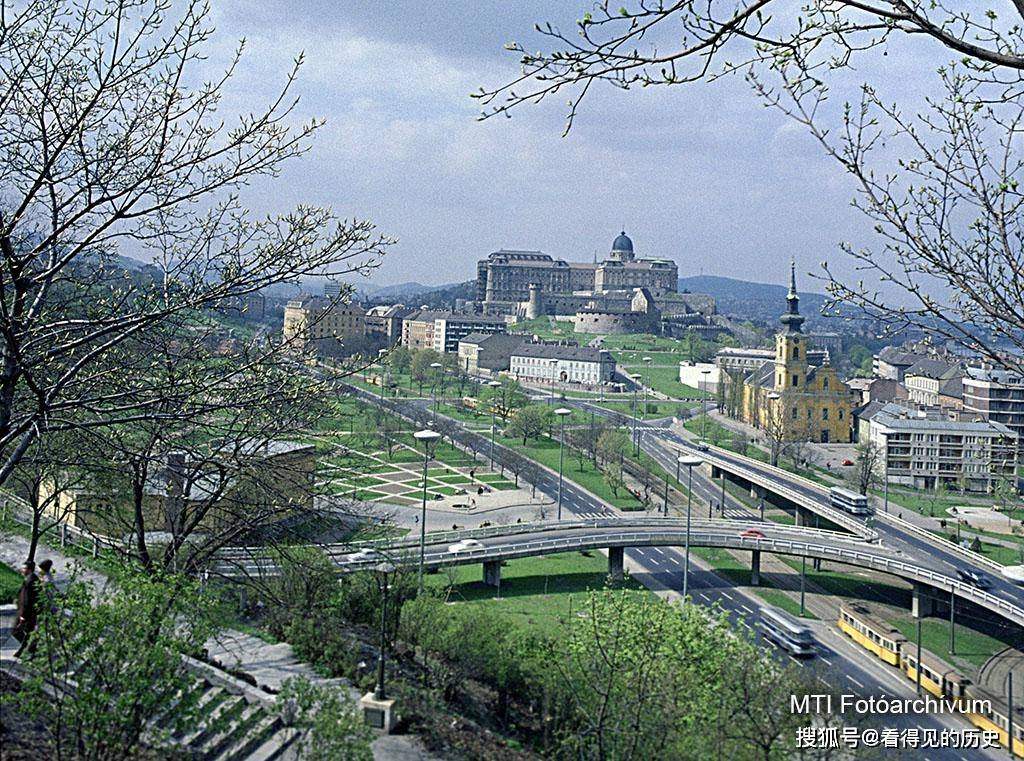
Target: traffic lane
(840,663)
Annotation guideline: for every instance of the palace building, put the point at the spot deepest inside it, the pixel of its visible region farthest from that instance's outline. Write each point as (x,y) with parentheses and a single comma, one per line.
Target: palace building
(788,395)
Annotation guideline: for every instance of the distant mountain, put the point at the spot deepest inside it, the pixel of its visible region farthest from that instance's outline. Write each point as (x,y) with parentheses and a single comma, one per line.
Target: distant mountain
(399,291)
(758,302)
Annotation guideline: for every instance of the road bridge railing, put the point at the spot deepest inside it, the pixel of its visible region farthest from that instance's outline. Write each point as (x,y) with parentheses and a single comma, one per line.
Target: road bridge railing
(509,530)
(969,555)
(840,551)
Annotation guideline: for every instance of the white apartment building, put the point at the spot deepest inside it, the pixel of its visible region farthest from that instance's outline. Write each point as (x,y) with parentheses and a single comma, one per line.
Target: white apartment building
(926,450)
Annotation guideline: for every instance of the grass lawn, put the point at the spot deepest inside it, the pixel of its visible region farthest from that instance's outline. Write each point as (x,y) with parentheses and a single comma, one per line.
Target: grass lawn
(10,583)
(539,592)
(545,451)
(655,409)
(454,479)
(994,552)
(666,380)
(971,646)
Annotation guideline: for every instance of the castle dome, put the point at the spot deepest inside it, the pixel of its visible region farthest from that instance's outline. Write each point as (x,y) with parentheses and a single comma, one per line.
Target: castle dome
(623,243)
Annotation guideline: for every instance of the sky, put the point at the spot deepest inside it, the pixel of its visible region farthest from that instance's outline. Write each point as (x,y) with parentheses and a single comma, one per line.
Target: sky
(703,174)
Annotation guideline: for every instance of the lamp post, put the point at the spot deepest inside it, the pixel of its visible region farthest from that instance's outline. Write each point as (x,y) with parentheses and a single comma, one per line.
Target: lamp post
(885,472)
(494,385)
(426,436)
(436,367)
(562,413)
(704,404)
(643,382)
(383,569)
(636,434)
(690,462)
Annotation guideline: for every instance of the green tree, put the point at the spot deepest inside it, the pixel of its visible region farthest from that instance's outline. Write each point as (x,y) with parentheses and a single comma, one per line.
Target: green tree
(530,422)
(122,652)
(613,477)
(504,399)
(612,443)
(399,358)
(868,466)
(333,724)
(420,367)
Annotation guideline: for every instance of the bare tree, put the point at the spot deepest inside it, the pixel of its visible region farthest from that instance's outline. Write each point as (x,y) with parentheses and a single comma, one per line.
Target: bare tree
(867,466)
(106,148)
(942,187)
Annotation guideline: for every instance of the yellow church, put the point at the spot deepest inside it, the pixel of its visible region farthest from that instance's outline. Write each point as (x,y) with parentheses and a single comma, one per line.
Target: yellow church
(792,399)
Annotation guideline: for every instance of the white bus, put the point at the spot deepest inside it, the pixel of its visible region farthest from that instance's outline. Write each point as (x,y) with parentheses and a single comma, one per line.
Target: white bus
(850,501)
(786,632)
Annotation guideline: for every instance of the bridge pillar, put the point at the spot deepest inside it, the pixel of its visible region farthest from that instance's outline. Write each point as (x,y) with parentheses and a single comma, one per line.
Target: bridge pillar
(922,602)
(755,567)
(757,491)
(615,557)
(492,573)
(716,472)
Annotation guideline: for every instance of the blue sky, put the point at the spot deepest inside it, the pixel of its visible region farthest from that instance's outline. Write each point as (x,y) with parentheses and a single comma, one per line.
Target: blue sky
(704,175)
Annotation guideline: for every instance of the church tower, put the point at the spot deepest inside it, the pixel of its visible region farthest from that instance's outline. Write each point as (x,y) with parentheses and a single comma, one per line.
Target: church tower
(790,344)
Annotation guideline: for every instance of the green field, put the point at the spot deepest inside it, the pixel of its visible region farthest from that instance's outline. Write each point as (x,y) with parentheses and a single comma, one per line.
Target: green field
(536,592)
(737,572)
(971,646)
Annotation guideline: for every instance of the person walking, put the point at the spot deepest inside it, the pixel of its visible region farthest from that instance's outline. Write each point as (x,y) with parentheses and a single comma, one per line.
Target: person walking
(45,573)
(28,608)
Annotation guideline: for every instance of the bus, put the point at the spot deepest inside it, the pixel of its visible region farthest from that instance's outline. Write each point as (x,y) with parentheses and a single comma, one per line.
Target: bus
(850,501)
(786,632)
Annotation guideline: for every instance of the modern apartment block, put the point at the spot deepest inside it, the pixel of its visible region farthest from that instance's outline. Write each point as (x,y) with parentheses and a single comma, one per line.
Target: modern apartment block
(929,450)
(996,395)
(441,331)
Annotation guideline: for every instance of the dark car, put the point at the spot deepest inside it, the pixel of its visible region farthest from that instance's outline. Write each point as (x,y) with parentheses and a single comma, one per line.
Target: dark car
(977,578)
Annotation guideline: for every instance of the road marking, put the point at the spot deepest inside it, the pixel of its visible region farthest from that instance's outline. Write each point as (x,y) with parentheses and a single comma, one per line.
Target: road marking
(726,595)
(855,681)
(658,550)
(746,608)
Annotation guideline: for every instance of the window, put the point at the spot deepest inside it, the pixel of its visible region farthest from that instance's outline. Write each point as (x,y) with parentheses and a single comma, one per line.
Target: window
(793,413)
(840,414)
(824,413)
(796,380)
(824,383)
(796,352)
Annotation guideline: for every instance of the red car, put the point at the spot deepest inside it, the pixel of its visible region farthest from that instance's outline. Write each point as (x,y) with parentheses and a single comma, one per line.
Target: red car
(752,533)
(847,463)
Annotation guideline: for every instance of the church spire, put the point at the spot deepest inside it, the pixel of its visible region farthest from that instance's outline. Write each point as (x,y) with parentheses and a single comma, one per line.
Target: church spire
(792,320)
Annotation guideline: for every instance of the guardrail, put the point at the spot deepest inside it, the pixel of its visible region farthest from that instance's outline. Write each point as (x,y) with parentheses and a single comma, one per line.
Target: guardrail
(450,537)
(18,510)
(849,555)
(924,533)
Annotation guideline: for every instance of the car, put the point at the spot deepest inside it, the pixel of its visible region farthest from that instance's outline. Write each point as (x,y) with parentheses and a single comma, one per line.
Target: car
(977,578)
(365,555)
(703,446)
(847,463)
(752,533)
(465,545)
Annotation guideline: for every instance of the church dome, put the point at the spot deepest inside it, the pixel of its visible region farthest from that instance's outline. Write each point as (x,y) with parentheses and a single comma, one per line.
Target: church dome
(623,243)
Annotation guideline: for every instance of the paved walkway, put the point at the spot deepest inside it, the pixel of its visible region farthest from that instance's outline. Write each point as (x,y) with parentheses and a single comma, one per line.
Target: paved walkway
(270,665)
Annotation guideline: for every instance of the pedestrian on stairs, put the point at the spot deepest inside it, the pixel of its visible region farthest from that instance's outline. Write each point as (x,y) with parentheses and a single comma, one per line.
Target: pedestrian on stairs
(28,609)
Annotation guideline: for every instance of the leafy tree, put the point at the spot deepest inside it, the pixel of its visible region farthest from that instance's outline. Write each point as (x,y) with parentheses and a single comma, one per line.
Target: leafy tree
(612,443)
(504,399)
(420,367)
(333,724)
(941,188)
(121,653)
(399,358)
(530,422)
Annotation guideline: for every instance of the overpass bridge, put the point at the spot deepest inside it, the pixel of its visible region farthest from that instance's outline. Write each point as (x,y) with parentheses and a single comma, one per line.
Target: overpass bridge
(501,543)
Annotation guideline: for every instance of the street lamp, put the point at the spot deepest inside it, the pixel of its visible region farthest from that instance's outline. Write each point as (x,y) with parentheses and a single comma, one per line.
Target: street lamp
(436,367)
(636,435)
(690,462)
(704,404)
(647,364)
(426,436)
(494,385)
(562,413)
(383,569)
(885,471)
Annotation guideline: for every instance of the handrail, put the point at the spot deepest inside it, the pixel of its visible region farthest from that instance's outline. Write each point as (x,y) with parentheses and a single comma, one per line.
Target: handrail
(971,555)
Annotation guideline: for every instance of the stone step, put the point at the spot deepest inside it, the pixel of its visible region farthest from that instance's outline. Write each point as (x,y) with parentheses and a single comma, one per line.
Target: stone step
(235,732)
(160,720)
(214,721)
(208,701)
(278,746)
(258,734)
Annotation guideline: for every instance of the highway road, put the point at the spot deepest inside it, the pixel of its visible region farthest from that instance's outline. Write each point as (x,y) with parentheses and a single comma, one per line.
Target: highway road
(841,664)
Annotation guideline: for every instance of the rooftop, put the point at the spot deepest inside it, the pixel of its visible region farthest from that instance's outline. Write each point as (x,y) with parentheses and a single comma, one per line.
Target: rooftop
(559,351)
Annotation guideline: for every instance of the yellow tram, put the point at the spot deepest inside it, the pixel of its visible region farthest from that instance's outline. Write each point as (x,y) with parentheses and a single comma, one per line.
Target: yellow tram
(858,622)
